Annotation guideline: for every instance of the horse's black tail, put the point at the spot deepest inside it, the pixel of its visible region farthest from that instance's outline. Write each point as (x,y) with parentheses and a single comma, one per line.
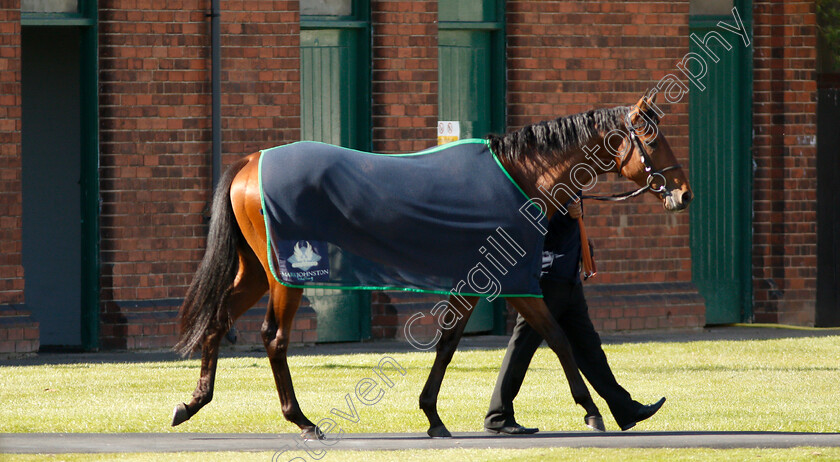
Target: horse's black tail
(214,278)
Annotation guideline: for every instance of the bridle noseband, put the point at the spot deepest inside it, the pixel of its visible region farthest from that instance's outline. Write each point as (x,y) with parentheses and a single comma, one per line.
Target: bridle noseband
(652,174)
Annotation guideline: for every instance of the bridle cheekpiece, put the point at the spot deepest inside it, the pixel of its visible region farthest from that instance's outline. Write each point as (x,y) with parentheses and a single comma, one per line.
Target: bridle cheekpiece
(646,161)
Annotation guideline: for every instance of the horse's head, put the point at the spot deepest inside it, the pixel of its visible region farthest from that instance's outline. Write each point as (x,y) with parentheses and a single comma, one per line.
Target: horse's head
(648,159)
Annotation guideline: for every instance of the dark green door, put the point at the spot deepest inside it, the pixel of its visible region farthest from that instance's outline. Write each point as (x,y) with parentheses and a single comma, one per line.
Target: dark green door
(335,109)
(59,67)
(471,91)
(464,88)
(721,176)
(333,100)
(51,186)
(828,213)
(828,165)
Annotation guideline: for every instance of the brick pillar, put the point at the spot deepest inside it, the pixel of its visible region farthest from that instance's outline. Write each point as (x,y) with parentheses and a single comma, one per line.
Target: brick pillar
(785,125)
(155,141)
(260,75)
(404,108)
(18,332)
(404,75)
(11,269)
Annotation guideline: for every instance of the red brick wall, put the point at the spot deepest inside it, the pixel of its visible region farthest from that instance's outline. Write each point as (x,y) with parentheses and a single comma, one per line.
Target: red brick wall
(260,75)
(154,162)
(567,57)
(785,126)
(19,334)
(155,136)
(11,269)
(405,75)
(562,57)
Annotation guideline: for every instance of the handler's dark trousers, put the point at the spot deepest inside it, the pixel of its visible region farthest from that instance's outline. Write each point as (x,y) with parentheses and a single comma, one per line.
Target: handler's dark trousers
(566,303)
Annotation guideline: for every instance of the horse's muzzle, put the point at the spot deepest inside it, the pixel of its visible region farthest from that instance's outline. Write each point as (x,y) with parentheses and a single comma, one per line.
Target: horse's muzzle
(677,201)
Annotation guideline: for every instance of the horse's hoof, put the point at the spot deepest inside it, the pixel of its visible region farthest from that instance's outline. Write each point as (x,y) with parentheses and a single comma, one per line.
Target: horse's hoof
(232,335)
(595,422)
(180,414)
(313,433)
(439,432)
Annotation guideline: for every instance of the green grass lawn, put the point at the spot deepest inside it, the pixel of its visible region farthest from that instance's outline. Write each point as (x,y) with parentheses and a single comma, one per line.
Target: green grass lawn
(767,385)
(761,385)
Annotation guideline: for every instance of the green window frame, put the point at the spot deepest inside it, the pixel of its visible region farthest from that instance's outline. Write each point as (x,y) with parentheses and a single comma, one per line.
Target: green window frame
(85,16)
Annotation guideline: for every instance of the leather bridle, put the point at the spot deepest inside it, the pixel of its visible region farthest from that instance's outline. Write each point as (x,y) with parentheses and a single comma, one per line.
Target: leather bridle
(652,174)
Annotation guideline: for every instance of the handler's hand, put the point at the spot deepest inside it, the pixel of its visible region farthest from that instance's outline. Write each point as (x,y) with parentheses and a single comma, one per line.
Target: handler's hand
(575,210)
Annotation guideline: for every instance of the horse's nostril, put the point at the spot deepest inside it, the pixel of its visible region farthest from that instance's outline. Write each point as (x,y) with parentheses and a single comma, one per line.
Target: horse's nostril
(686,197)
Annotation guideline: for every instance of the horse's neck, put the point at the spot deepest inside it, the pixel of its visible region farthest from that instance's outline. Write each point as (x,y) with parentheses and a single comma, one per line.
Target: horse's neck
(553,184)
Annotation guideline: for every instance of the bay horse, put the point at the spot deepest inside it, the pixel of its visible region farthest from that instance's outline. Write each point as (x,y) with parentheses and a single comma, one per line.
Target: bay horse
(236,270)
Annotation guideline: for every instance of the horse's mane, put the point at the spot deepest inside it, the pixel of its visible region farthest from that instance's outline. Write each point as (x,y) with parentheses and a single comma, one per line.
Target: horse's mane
(555,137)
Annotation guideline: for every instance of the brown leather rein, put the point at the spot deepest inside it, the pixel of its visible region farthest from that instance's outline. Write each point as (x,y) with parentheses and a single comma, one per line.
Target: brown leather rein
(589,268)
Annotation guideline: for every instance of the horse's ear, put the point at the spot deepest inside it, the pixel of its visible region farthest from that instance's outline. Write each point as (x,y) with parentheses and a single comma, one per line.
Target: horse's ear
(643,118)
(643,104)
(643,107)
(633,117)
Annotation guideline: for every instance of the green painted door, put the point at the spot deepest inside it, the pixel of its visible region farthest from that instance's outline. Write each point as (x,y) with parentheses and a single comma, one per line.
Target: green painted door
(464,87)
(53,33)
(471,91)
(828,214)
(333,100)
(828,165)
(721,177)
(335,109)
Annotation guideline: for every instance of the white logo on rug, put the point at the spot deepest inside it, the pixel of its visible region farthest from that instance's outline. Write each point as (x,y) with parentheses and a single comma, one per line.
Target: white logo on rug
(304,258)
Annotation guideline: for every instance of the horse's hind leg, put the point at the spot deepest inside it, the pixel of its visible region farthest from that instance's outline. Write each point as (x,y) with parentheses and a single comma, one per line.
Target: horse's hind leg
(275,334)
(536,313)
(248,288)
(445,349)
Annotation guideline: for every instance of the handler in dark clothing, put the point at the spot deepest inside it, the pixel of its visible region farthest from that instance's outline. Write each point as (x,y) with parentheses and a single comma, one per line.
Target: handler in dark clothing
(563,294)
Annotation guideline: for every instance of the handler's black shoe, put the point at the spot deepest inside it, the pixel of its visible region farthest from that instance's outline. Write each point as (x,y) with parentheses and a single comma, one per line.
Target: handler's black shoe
(514,429)
(595,422)
(644,412)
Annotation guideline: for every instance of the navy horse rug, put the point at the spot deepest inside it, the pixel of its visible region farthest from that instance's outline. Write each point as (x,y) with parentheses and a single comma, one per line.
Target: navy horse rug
(445,218)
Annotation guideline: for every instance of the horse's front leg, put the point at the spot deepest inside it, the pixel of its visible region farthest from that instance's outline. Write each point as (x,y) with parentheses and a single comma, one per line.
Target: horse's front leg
(536,313)
(450,336)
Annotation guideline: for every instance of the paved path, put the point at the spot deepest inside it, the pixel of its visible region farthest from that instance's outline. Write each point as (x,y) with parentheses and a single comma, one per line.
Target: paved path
(56,443)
